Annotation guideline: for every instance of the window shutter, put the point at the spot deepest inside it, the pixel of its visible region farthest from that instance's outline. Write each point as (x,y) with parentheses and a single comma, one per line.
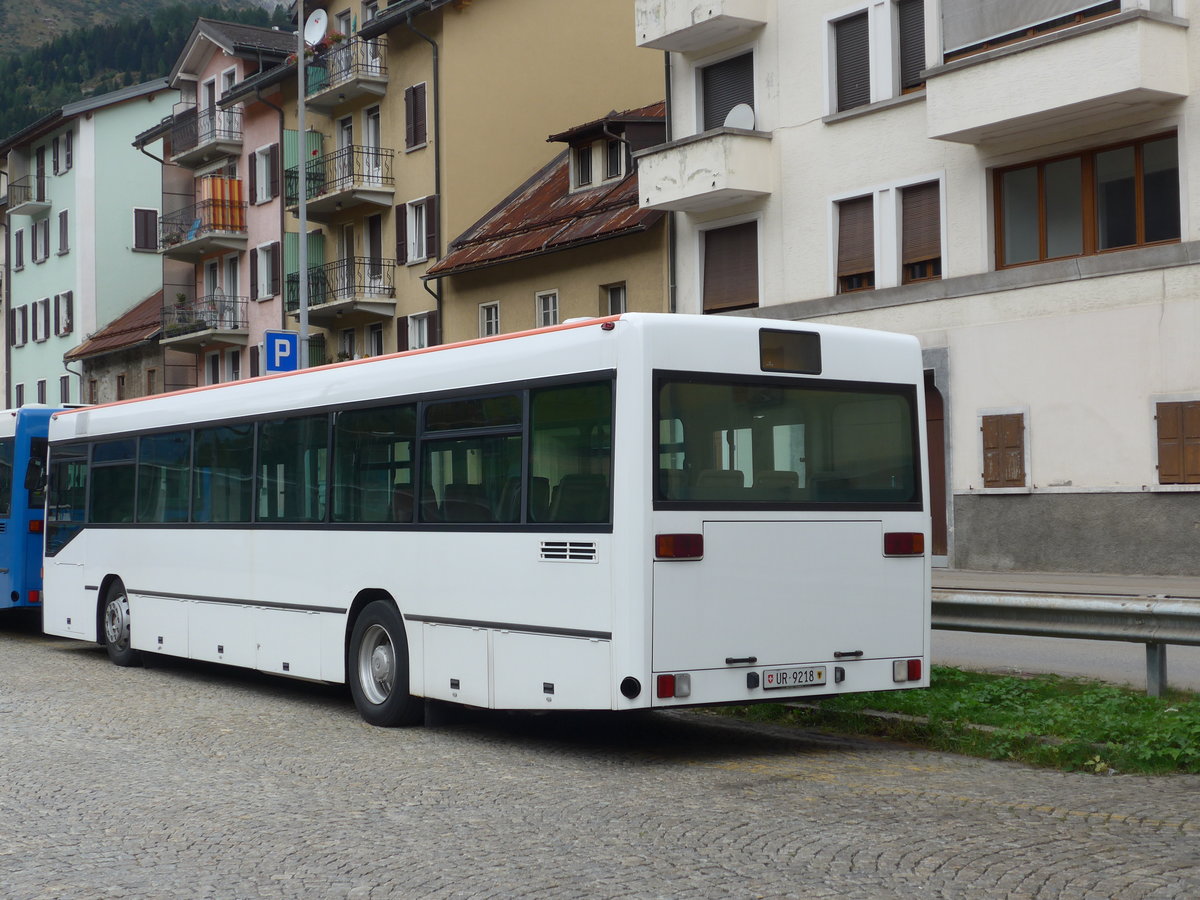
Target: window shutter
(431,227)
(921,223)
(856,236)
(419,115)
(70,148)
(725,85)
(253,274)
(57,314)
(910,16)
(273,169)
(254,373)
(1004,451)
(853,49)
(68,324)
(402,333)
(1178,443)
(432,336)
(731,267)
(410,125)
(402,235)
(276,267)
(54,152)
(253,167)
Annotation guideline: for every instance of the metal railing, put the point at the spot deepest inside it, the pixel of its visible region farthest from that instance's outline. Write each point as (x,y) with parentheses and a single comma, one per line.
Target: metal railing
(214,311)
(348,168)
(357,277)
(201,218)
(1153,621)
(347,61)
(31,188)
(194,128)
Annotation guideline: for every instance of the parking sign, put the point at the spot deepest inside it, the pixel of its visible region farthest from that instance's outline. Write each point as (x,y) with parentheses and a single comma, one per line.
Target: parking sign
(282,351)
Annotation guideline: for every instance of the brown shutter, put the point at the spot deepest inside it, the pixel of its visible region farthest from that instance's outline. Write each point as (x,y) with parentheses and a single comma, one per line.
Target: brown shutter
(276,267)
(432,335)
(254,361)
(853,49)
(910,15)
(856,236)
(921,223)
(419,115)
(1178,443)
(402,333)
(57,314)
(1004,451)
(410,134)
(731,267)
(273,166)
(253,167)
(402,235)
(253,274)
(431,227)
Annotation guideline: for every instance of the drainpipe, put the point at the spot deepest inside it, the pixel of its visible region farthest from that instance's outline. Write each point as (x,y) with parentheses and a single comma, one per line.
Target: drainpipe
(163,362)
(671,238)
(437,164)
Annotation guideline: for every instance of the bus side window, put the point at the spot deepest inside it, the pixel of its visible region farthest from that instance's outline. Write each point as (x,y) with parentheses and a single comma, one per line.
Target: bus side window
(113,476)
(571,451)
(6,476)
(223,474)
(373,464)
(68,489)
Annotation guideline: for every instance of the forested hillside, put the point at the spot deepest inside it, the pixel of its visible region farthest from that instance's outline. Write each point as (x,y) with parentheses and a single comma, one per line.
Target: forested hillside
(94,59)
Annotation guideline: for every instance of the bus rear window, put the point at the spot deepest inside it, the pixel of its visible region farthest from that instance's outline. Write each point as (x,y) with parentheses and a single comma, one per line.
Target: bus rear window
(730,444)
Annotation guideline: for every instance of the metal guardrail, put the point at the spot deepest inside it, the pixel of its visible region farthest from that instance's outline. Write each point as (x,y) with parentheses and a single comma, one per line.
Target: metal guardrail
(1153,621)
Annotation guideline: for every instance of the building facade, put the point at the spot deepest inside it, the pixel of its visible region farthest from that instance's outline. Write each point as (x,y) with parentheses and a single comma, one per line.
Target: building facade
(1011,183)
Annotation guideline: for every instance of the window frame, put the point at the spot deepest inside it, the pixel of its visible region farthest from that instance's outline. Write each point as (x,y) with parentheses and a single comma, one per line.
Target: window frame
(885,55)
(416,116)
(151,231)
(546,306)
(1000,413)
(702,262)
(489,319)
(1189,464)
(702,94)
(64,232)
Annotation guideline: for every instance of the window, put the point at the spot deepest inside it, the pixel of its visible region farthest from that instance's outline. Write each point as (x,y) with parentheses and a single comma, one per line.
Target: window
(614,299)
(856,245)
(212,366)
(346,349)
(420,229)
(852,69)
(547,308)
(223,473)
(233,360)
(54,155)
(489,319)
(1003,450)
(614,159)
(375,339)
(921,233)
(69,150)
(121,386)
(41,321)
(418,332)
(967,30)
(723,86)
(145,229)
(264,174)
(19,249)
(464,476)
(730,267)
(93,391)
(1106,199)
(18,327)
(164,462)
(152,381)
(64,232)
(373,464)
(570,454)
(265,271)
(414,117)
(113,476)
(41,391)
(1178,442)
(910,39)
(64,389)
(583,165)
(64,313)
(19,395)
(40,250)
(292,465)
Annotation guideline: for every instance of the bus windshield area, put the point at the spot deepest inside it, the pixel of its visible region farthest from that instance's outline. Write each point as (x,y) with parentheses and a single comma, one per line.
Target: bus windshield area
(746,443)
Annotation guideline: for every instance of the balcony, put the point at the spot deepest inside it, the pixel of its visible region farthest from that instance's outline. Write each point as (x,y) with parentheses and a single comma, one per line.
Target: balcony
(684,26)
(350,71)
(209,226)
(344,291)
(708,171)
(27,196)
(1084,79)
(206,322)
(198,136)
(336,182)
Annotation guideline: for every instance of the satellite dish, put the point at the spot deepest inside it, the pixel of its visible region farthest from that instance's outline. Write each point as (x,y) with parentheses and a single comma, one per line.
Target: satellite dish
(315,26)
(741,116)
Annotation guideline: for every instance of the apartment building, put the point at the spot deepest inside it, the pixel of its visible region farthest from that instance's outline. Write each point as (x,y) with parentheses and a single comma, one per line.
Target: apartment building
(1012,183)
(78,253)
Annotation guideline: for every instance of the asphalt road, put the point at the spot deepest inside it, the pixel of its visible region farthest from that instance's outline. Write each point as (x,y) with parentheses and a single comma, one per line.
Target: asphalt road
(187,781)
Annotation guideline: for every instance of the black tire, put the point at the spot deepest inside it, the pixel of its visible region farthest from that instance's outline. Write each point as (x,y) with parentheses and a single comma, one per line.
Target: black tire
(114,626)
(377,668)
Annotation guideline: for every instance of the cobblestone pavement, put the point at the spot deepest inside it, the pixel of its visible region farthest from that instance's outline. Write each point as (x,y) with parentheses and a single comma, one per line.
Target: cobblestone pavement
(185,780)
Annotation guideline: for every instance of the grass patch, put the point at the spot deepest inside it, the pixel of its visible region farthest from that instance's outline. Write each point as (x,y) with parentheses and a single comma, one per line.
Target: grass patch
(1046,720)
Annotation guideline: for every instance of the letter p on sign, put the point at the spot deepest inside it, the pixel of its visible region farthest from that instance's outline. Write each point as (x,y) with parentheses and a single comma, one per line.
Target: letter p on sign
(282,351)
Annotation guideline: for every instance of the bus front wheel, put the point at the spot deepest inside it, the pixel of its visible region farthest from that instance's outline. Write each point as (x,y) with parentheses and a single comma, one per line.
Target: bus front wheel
(378,668)
(115,618)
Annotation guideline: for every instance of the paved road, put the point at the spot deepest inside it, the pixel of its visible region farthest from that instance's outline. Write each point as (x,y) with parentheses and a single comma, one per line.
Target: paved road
(186,781)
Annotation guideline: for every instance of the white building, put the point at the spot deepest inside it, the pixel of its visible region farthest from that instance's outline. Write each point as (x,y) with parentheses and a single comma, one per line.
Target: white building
(1012,182)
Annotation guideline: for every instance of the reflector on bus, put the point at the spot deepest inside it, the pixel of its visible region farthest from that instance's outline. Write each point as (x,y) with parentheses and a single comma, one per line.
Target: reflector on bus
(679,546)
(904,543)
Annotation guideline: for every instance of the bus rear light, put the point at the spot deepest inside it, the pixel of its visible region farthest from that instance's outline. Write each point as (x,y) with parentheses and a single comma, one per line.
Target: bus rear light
(679,685)
(906,670)
(36,526)
(679,546)
(904,543)
(666,686)
(35,597)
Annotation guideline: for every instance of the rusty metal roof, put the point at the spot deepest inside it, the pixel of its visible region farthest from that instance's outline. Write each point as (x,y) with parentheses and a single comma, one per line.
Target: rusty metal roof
(138,326)
(544,215)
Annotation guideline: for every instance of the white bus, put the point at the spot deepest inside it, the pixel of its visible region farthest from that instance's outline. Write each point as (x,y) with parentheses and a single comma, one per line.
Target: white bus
(620,513)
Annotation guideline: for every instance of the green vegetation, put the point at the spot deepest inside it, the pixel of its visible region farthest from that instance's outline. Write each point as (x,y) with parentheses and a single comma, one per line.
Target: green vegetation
(1045,720)
(100,58)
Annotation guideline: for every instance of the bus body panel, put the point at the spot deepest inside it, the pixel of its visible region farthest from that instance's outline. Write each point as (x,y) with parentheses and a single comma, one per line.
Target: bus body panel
(21,510)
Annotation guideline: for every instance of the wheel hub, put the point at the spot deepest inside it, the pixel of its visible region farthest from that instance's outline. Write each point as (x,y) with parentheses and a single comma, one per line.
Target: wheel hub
(116,621)
(381,663)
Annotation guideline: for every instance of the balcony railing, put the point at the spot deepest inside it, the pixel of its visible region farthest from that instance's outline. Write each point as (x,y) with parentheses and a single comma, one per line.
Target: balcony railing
(215,312)
(348,63)
(29,191)
(194,128)
(349,169)
(355,278)
(217,216)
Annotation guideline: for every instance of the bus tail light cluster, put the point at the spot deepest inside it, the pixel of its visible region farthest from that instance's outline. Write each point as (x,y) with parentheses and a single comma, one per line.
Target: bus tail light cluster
(904,543)
(677,685)
(679,546)
(906,670)
(35,597)
(36,526)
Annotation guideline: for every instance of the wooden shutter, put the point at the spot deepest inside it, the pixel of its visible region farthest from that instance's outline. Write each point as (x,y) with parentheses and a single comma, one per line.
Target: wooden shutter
(273,169)
(402,333)
(402,235)
(731,267)
(253,274)
(253,179)
(1004,450)
(68,312)
(432,335)
(856,236)
(431,227)
(1178,442)
(725,85)
(853,48)
(254,361)
(921,223)
(57,314)
(419,114)
(910,16)
(276,267)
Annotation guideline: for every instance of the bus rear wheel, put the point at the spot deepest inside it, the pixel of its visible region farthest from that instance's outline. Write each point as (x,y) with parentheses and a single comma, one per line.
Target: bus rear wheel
(378,668)
(115,619)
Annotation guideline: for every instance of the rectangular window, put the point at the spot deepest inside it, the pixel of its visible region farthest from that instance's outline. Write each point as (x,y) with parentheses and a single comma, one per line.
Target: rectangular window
(121,386)
(19,395)
(856,245)
(414,117)
(1106,199)
(1003,450)
(19,327)
(489,319)
(614,299)
(41,391)
(375,339)
(570,454)
(723,86)
(264,174)
(583,166)
(373,465)
(418,228)
(64,313)
(113,477)
(64,389)
(19,249)
(64,232)
(614,159)
(969,26)
(910,41)
(1178,442)
(145,229)
(41,241)
(54,155)
(212,366)
(730,267)
(418,332)
(547,308)
(164,463)
(265,271)
(921,232)
(41,321)
(223,473)
(852,50)
(69,139)
(68,496)
(346,344)
(292,460)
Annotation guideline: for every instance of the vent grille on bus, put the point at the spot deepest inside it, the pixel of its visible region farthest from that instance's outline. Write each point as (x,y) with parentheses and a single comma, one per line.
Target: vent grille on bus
(569,551)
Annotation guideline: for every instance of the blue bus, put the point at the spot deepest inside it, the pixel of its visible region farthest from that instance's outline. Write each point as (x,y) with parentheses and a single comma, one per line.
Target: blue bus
(22,502)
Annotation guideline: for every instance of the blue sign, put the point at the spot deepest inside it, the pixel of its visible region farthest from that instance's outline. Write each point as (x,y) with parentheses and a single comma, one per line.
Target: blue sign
(282,349)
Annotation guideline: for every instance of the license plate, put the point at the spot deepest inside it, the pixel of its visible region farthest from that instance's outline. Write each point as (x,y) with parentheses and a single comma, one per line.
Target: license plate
(804,676)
